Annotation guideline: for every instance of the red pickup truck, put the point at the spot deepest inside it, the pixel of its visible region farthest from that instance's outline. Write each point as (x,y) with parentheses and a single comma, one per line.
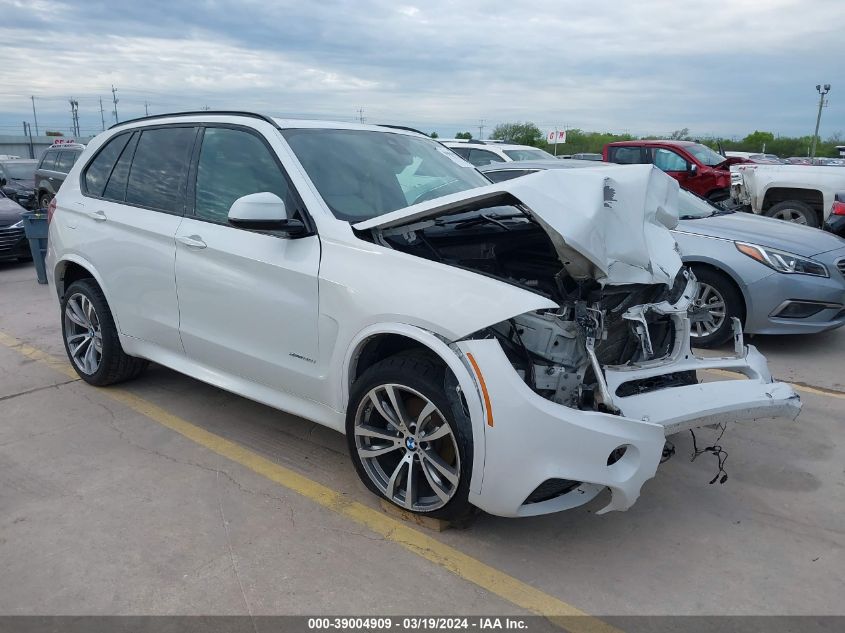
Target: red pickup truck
(697,167)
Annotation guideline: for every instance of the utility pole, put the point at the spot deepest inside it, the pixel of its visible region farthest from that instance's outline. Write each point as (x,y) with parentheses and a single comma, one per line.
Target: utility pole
(481,130)
(822,90)
(35,118)
(114,100)
(27,131)
(146,109)
(360,115)
(74,113)
(102,115)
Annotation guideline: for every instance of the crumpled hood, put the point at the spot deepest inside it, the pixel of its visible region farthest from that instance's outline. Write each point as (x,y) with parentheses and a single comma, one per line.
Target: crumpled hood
(757,229)
(610,224)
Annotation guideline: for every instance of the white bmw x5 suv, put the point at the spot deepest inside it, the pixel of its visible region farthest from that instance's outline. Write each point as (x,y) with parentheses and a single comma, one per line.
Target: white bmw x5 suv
(517,347)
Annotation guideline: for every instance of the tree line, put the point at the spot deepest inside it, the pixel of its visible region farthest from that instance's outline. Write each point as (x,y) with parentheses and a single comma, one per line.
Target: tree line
(577,141)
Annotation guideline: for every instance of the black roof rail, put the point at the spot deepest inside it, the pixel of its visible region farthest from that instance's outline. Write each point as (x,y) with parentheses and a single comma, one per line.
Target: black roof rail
(254,115)
(402,127)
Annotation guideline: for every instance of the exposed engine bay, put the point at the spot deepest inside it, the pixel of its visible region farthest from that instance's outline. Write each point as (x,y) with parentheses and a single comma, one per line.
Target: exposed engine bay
(560,354)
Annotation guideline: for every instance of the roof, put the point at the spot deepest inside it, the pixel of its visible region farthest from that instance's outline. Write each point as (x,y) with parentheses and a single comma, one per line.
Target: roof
(655,142)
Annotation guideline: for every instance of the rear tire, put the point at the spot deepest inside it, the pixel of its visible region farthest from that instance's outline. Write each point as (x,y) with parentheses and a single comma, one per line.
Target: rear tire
(386,454)
(794,211)
(718,294)
(90,336)
(44,200)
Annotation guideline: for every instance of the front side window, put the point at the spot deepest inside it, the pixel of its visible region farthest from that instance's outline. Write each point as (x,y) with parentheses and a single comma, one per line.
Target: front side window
(48,161)
(98,171)
(65,161)
(667,160)
(357,172)
(232,164)
(159,172)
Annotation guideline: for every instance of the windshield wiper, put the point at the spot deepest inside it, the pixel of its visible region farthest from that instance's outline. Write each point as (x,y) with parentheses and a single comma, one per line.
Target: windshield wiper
(484,219)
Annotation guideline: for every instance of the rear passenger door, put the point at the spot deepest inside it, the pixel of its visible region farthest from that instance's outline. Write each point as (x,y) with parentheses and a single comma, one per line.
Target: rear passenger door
(136,190)
(247,298)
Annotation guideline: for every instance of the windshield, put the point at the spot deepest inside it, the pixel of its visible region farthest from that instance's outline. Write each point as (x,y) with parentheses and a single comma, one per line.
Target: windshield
(705,155)
(20,171)
(362,174)
(691,207)
(527,154)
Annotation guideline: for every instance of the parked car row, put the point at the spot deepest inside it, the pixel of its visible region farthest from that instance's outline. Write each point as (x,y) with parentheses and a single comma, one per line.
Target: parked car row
(516,346)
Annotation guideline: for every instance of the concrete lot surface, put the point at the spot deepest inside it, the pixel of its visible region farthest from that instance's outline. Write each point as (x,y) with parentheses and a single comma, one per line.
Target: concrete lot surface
(167,496)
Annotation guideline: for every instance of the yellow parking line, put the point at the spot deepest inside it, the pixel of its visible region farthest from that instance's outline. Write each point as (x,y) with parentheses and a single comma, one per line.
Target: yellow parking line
(462,565)
(798,386)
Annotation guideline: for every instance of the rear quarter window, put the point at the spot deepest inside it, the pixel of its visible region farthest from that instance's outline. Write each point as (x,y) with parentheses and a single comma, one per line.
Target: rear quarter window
(626,155)
(98,171)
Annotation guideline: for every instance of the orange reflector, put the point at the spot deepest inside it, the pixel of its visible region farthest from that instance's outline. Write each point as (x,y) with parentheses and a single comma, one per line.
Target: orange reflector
(483,389)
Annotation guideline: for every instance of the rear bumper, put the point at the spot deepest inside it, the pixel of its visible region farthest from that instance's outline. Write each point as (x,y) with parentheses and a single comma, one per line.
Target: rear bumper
(533,440)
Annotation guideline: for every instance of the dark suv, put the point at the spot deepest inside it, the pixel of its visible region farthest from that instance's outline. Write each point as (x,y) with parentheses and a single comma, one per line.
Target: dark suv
(695,166)
(54,165)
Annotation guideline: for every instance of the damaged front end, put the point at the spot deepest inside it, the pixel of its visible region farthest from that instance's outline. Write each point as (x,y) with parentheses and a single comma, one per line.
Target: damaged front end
(582,396)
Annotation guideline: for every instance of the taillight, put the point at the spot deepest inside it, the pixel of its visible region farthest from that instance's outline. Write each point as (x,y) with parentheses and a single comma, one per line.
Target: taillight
(51,209)
(838,208)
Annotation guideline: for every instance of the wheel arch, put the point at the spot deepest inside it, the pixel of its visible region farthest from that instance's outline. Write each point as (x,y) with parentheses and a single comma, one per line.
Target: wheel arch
(728,273)
(379,341)
(73,268)
(812,197)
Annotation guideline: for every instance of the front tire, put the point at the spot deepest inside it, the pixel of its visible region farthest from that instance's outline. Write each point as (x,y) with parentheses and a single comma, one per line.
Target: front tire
(794,211)
(410,438)
(720,301)
(91,340)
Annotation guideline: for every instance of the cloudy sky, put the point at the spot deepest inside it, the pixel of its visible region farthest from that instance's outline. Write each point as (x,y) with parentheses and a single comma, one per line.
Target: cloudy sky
(647,67)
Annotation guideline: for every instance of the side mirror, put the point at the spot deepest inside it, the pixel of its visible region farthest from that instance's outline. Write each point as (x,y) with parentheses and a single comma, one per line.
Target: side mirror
(264,211)
(692,169)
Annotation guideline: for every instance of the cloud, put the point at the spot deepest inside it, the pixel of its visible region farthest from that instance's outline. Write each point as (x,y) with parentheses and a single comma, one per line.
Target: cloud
(647,67)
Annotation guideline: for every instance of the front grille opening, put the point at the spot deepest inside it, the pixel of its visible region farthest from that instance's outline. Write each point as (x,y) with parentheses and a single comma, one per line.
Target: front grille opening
(656,383)
(551,489)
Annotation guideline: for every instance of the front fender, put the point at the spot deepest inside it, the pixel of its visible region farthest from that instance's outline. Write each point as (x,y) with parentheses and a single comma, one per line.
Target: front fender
(450,356)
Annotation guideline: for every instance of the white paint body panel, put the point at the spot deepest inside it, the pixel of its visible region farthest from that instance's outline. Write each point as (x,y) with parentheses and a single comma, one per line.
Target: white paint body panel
(282,321)
(753,181)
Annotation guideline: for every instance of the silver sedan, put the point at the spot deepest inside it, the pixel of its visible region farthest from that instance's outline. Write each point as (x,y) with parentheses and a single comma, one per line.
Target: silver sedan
(776,277)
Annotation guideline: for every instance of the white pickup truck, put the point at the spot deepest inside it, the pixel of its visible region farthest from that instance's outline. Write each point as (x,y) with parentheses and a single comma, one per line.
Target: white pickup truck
(797,193)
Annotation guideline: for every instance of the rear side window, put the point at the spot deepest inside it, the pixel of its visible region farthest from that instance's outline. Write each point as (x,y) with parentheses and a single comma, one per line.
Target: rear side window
(463,152)
(479,157)
(116,187)
(159,171)
(232,164)
(48,161)
(625,155)
(65,161)
(97,173)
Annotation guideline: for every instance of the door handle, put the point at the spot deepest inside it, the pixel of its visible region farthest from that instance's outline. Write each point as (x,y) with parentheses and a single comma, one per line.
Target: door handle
(193,241)
(99,216)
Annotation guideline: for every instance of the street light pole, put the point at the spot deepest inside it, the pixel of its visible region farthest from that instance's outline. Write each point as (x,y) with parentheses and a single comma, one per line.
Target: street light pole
(822,90)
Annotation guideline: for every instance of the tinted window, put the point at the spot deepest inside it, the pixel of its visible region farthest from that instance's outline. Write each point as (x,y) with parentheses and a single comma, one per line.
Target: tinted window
(97,173)
(667,160)
(159,169)
(48,161)
(463,152)
(480,157)
(116,187)
(625,155)
(65,161)
(507,174)
(233,164)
